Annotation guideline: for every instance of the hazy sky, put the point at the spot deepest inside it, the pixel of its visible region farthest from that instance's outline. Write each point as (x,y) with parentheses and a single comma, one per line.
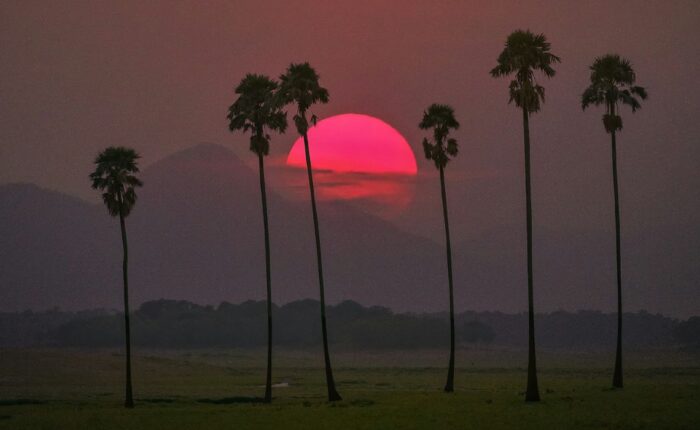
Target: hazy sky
(76,76)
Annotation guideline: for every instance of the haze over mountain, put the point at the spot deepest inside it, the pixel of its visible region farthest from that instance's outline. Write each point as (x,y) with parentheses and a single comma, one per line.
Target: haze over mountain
(196,234)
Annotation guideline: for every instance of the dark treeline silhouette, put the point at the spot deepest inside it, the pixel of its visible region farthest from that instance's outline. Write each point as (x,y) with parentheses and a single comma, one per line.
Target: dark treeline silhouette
(688,332)
(182,324)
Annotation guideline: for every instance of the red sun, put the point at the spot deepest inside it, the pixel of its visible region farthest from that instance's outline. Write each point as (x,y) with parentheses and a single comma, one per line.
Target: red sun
(354,143)
(358,159)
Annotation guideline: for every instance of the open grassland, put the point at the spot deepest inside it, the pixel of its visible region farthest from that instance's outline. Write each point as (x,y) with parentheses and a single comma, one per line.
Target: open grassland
(213,389)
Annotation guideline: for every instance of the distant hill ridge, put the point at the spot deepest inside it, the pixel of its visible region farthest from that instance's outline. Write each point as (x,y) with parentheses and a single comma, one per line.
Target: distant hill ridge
(196,234)
(183,324)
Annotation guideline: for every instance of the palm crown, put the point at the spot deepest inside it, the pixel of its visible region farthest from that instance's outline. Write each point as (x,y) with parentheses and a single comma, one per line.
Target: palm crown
(300,85)
(114,175)
(256,109)
(612,82)
(525,53)
(440,118)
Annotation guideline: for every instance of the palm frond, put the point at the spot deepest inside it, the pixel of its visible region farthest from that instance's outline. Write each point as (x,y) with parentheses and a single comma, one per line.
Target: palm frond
(639,91)
(427,149)
(451,148)
(628,99)
(592,96)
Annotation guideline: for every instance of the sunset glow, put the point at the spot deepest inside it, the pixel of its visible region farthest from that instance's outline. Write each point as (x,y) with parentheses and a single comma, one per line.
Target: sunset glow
(355,143)
(357,158)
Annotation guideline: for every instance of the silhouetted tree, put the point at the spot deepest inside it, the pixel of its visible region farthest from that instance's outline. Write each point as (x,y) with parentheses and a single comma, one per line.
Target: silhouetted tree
(257,109)
(612,84)
(523,55)
(441,120)
(300,86)
(115,177)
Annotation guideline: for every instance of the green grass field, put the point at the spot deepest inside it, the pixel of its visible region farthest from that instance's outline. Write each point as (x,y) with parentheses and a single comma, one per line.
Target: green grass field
(212,389)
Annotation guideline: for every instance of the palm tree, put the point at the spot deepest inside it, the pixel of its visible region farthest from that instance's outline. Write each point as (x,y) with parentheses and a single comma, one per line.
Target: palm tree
(300,86)
(255,110)
(114,176)
(441,119)
(613,83)
(523,55)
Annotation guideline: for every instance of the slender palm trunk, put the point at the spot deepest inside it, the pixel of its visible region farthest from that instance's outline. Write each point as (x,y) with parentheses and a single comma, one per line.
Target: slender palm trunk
(533,393)
(449,385)
(129,402)
(263,194)
(332,393)
(617,377)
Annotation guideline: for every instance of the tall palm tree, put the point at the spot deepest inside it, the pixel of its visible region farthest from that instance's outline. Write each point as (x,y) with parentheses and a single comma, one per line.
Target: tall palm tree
(256,109)
(523,55)
(441,120)
(300,86)
(115,176)
(612,84)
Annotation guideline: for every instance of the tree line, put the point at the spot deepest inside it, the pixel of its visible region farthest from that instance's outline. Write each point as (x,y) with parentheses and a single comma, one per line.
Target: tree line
(183,324)
(259,109)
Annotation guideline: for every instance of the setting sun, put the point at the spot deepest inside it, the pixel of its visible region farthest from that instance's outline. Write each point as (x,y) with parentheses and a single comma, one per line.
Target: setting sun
(355,143)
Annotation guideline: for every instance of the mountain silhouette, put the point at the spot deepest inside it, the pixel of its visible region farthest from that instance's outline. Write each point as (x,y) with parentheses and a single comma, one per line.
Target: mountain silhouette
(196,234)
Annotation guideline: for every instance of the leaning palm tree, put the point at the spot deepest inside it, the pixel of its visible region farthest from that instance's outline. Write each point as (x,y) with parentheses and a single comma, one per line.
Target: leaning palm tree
(115,177)
(256,110)
(523,55)
(300,86)
(612,84)
(441,120)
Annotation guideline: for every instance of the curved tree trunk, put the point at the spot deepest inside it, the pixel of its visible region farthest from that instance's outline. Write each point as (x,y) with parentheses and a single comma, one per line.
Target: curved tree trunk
(263,194)
(533,393)
(332,393)
(129,402)
(617,376)
(449,385)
